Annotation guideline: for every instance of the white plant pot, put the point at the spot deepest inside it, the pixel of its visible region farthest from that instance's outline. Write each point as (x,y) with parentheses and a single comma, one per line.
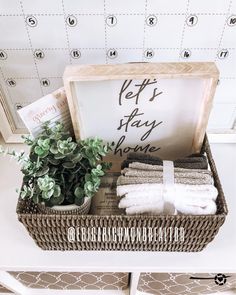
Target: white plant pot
(65,207)
(72,209)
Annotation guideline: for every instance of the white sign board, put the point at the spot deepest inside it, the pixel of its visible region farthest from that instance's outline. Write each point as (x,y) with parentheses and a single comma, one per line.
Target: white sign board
(160,115)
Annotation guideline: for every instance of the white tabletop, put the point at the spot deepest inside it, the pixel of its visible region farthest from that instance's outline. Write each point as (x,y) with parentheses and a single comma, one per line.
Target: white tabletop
(19,252)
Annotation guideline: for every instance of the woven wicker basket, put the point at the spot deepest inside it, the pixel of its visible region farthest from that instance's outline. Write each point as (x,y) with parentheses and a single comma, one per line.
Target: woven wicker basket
(50,232)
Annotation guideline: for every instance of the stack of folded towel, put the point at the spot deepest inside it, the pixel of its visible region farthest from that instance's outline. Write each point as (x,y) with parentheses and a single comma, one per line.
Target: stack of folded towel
(142,189)
(194,161)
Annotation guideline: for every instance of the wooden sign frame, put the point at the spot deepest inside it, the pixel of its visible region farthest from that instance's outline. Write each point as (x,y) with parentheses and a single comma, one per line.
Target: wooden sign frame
(202,70)
(8,130)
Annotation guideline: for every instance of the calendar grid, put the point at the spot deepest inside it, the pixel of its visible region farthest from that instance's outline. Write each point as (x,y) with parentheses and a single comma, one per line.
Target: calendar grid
(144,28)
(116,14)
(37,43)
(224,26)
(183,31)
(95,48)
(30,46)
(8,92)
(105,29)
(67,37)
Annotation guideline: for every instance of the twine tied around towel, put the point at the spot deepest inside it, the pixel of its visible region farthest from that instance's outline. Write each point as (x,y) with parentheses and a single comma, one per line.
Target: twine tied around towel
(168,187)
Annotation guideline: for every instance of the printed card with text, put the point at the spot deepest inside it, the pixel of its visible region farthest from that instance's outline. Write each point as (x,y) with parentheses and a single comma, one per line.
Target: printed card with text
(52,107)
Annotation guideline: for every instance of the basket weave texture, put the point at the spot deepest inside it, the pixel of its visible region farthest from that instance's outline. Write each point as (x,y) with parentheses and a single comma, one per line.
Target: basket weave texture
(50,231)
(82,209)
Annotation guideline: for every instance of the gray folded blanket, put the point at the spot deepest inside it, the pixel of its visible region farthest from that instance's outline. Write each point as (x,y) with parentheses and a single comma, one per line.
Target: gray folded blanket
(194,161)
(144,173)
(124,180)
(137,167)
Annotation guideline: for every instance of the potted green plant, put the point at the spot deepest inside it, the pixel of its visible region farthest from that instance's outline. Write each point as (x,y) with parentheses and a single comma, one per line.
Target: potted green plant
(61,174)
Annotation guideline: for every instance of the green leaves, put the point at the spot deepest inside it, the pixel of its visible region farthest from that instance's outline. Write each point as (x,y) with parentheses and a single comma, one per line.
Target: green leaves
(68,165)
(60,170)
(75,158)
(28,139)
(40,152)
(53,161)
(92,183)
(79,196)
(57,191)
(42,147)
(26,192)
(44,143)
(47,194)
(79,192)
(48,187)
(54,149)
(97,171)
(43,171)
(56,200)
(94,150)
(46,183)
(66,147)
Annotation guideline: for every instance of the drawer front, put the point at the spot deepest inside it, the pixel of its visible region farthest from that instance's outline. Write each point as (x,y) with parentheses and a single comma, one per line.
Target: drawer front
(4,290)
(73,280)
(185,283)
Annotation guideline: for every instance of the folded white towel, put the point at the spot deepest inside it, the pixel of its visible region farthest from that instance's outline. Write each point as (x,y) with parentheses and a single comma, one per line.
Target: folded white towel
(200,207)
(152,198)
(139,189)
(189,199)
(209,207)
(150,209)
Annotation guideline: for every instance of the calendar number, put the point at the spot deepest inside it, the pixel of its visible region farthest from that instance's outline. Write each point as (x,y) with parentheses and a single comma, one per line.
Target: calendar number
(192,20)
(111,20)
(149,53)
(39,54)
(3,55)
(151,20)
(45,82)
(75,53)
(71,21)
(231,21)
(31,21)
(223,53)
(11,82)
(112,53)
(185,54)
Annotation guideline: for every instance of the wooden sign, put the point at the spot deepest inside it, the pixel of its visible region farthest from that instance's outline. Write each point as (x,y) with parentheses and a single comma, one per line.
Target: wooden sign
(160,109)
